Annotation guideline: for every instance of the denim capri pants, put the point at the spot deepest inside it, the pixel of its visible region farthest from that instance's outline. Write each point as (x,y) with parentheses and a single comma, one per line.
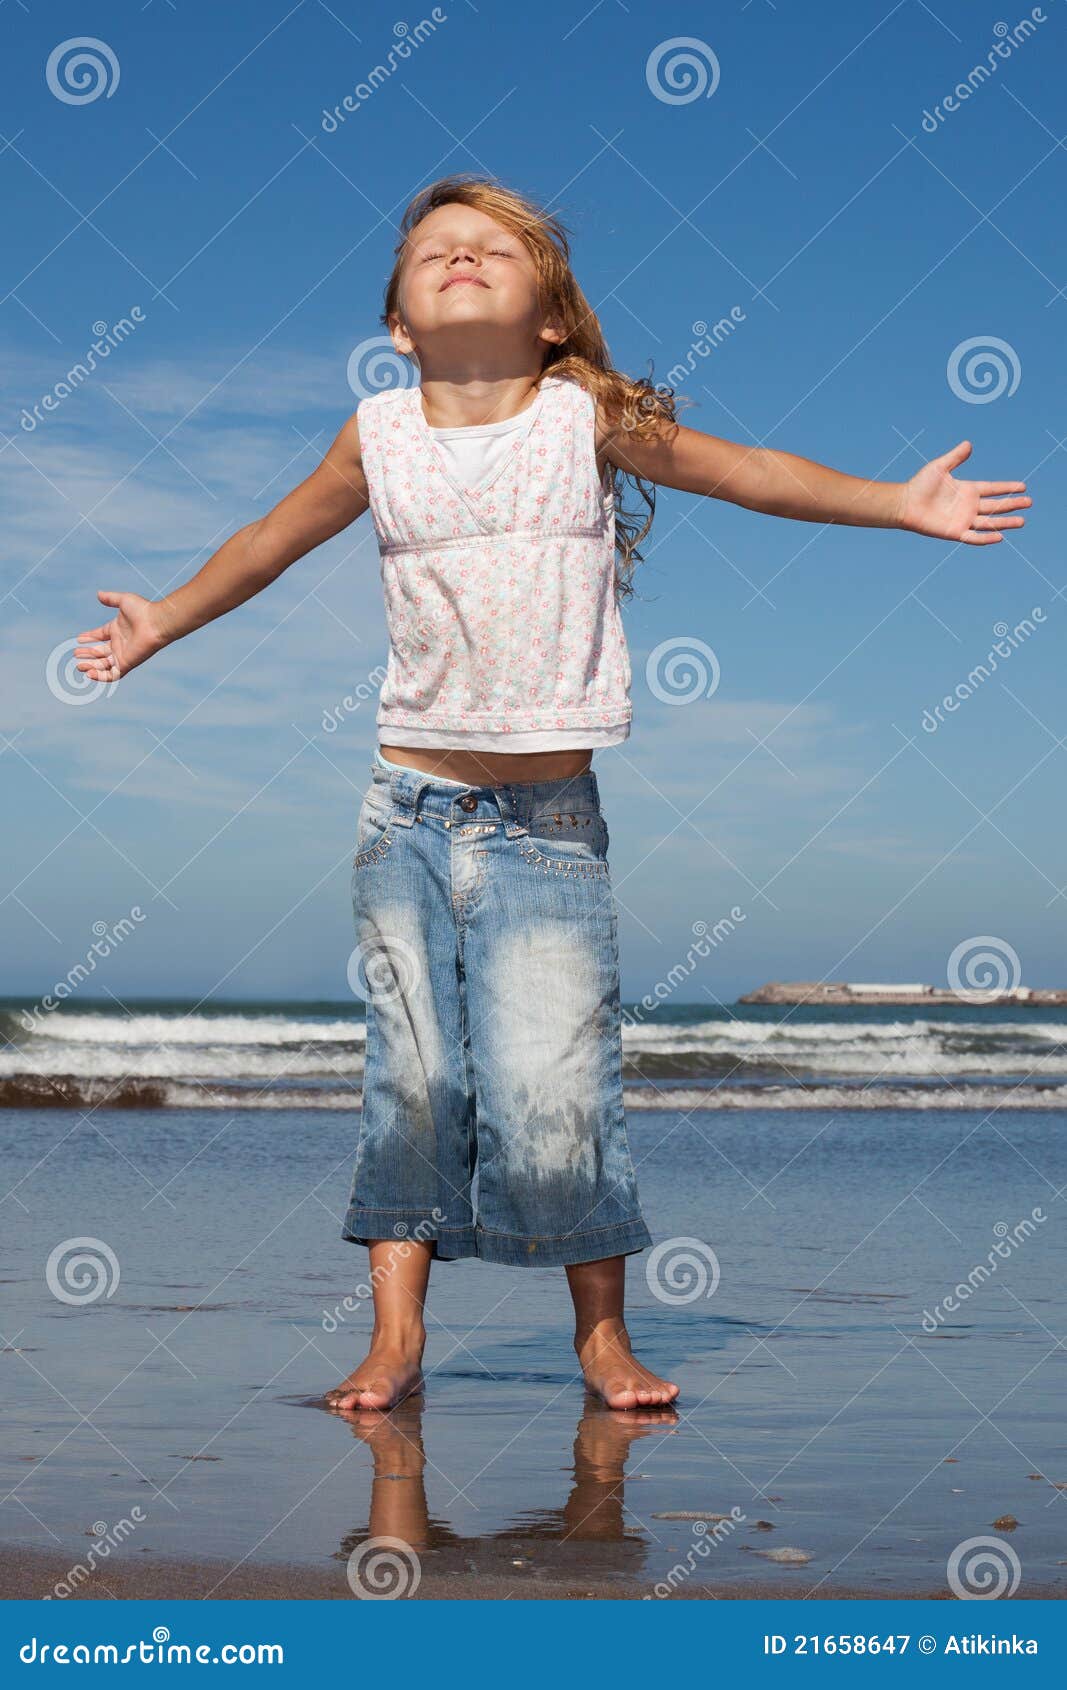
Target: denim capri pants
(487,951)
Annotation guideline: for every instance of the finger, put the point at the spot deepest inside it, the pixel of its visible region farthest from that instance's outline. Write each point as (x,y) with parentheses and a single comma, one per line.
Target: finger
(1004,504)
(1002,487)
(983,522)
(101,633)
(92,651)
(974,538)
(956,455)
(107,597)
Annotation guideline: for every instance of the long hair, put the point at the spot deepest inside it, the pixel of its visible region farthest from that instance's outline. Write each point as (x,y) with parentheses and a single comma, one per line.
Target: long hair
(639,407)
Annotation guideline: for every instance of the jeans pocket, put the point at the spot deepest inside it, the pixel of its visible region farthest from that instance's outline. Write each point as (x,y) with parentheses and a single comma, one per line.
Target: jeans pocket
(567,842)
(374,835)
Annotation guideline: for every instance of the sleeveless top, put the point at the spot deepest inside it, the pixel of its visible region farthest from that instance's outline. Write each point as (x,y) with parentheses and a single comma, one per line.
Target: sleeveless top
(504,630)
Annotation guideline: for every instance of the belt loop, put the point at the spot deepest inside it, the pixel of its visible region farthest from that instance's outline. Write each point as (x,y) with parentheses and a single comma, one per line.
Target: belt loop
(505,798)
(405,798)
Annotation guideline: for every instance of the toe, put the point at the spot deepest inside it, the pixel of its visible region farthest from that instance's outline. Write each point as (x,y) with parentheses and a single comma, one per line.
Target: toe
(620,1395)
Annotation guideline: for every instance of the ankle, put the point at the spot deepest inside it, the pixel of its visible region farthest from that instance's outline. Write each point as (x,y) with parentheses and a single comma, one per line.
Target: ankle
(400,1337)
(610,1333)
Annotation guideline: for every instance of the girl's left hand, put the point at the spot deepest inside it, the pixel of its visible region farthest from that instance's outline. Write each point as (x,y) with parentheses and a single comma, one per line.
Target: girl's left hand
(932,503)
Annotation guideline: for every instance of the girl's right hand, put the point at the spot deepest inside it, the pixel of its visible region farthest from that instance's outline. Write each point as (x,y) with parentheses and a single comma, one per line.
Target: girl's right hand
(132,636)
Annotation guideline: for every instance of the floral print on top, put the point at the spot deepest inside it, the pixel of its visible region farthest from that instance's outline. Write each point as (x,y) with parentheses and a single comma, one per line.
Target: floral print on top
(500,600)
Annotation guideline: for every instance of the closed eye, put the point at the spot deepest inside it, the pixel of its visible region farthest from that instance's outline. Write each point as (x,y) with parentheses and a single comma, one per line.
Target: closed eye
(494,252)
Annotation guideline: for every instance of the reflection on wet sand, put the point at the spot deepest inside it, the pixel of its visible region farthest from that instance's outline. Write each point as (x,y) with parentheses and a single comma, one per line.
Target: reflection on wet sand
(594,1510)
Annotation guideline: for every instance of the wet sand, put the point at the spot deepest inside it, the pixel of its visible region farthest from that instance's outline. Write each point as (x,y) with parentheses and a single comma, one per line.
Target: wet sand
(185,1400)
(31,1573)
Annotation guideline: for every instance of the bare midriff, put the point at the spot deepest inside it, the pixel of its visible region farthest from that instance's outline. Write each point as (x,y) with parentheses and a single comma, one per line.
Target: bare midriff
(490,768)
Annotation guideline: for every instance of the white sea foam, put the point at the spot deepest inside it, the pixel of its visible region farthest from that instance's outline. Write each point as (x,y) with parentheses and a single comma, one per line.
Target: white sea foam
(137,1029)
(722,1062)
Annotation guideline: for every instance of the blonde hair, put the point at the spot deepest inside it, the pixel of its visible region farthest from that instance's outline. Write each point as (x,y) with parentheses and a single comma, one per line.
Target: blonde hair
(640,407)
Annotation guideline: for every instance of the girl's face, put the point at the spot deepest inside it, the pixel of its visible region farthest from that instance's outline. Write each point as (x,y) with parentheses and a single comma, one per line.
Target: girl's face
(461,273)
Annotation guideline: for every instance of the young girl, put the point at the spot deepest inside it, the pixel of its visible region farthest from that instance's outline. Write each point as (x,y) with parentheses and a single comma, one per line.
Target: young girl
(492,1121)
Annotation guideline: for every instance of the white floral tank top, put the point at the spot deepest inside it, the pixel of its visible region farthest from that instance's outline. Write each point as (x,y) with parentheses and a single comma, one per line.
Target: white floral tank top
(504,629)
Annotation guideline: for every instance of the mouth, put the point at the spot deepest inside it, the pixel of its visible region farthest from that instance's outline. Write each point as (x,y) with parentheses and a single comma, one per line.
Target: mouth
(463,281)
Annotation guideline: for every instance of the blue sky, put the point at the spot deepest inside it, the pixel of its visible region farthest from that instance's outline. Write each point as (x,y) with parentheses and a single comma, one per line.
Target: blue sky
(858,251)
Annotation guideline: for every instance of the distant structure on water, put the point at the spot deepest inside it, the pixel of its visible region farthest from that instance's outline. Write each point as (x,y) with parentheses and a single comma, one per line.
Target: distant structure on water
(862,991)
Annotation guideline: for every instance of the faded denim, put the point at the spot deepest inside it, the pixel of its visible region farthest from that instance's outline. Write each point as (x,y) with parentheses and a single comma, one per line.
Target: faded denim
(492,1120)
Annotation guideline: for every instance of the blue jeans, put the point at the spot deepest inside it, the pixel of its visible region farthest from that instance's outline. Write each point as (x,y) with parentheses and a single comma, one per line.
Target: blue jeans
(492,1121)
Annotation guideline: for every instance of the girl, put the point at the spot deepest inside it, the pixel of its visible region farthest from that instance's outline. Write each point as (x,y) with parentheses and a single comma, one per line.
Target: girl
(492,1121)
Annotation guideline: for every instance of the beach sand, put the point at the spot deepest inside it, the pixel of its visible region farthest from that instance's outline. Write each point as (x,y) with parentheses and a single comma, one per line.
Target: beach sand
(31,1573)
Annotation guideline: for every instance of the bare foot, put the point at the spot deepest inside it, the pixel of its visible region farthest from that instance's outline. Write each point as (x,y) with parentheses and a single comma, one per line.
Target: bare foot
(388,1375)
(613,1373)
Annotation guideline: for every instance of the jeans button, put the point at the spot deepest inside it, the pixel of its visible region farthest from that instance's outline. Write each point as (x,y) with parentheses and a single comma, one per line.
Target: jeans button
(468,801)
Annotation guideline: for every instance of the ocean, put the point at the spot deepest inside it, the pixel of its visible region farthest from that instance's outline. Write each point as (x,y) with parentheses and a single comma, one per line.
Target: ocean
(859,1290)
(176,1055)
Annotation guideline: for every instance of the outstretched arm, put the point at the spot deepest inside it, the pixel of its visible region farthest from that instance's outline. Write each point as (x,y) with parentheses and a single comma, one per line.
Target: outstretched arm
(782,484)
(333,495)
